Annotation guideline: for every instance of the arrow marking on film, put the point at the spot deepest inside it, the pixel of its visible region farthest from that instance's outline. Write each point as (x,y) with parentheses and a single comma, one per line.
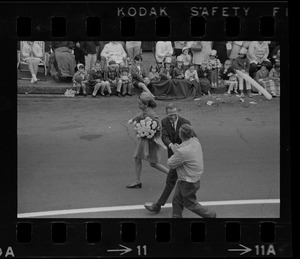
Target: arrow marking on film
(126,250)
(244,250)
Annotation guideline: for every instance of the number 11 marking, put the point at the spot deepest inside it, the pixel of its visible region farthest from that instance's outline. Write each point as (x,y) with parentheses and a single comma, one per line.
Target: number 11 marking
(144,250)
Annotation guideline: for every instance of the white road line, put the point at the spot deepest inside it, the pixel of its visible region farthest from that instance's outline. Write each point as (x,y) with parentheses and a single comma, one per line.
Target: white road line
(138,207)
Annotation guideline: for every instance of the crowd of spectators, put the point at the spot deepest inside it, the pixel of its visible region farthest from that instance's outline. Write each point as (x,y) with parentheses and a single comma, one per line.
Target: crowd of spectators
(203,64)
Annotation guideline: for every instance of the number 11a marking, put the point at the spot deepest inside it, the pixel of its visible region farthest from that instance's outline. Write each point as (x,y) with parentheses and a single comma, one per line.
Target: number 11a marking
(144,249)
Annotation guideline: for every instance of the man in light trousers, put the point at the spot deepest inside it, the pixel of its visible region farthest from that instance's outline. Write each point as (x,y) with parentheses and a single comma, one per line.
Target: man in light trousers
(188,162)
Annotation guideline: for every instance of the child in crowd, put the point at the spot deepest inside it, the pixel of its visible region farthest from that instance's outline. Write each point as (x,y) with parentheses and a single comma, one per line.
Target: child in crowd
(186,57)
(242,63)
(126,81)
(191,76)
(97,79)
(262,75)
(276,57)
(146,149)
(228,76)
(214,65)
(269,80)
(153,75)
(178,71)
(80,79)
(166,71)
(203,75)
(113,76)
(274,75)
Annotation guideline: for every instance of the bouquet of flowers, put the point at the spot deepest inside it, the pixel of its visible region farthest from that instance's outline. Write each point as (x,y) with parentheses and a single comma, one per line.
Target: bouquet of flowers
(146,128)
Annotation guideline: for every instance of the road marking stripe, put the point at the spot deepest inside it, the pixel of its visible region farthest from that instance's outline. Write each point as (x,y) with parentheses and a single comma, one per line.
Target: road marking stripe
(138,207)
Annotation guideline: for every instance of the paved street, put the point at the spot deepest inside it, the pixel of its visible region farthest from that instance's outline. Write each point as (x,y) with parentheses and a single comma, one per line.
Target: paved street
(77,153)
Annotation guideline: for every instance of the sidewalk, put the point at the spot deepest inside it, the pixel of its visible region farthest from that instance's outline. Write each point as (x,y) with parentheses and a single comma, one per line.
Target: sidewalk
(47,85)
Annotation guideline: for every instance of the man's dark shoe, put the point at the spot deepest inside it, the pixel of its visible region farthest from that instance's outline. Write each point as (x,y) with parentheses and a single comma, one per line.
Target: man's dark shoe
(152,207)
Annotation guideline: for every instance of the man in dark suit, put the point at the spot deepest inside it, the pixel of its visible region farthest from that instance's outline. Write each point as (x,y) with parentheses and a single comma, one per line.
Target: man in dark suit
(170,137)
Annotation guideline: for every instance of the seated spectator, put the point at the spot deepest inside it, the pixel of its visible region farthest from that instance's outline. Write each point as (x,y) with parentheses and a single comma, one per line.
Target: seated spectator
(63,60)
(213,65)
(90,53)
(32,54)
(178,71)
(263,73)
(242,63)
(139,75)
(269,80)
(97,79)
(133,48)
(257,53)
(113,77)
(80,79)
(163,49)
(228,76)
(114,51)
(154,76)
(191,76)
(276,56)
(126,81)
(204,80)
(186,57)
(166,71)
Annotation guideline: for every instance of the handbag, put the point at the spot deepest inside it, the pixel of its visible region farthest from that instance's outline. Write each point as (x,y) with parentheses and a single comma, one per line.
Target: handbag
(196,46)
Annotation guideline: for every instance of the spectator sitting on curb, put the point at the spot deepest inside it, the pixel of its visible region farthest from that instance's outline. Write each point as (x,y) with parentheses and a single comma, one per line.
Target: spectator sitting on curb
(97,79)
(80,79)
(126,81)
(113,77)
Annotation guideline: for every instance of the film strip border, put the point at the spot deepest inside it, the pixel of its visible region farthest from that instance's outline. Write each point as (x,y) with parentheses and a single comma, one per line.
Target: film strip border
(148,238)
(125,20)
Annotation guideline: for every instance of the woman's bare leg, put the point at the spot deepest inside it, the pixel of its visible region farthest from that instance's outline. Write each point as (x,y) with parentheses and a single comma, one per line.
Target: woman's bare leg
(160,167)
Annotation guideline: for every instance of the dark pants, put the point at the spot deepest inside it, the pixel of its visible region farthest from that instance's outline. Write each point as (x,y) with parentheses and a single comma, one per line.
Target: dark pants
(177,52)
(170,183)
(185,196)
(252,70)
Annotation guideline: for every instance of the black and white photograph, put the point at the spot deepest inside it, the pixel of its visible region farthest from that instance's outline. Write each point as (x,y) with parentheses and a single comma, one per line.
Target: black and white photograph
(148,129)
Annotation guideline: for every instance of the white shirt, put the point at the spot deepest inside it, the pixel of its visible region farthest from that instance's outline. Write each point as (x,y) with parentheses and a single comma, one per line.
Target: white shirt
(113,52)
(175,123)
(163,49)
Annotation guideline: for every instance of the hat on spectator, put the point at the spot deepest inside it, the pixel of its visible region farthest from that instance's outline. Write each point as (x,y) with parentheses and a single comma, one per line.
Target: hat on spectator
(179,59)
(243,51)
(79,65)
(213,52)
(112,63)
(168,60)
(184,48)
(145,96)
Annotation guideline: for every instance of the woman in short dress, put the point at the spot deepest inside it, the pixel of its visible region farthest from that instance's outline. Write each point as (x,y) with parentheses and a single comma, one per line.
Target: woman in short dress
(146,149)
